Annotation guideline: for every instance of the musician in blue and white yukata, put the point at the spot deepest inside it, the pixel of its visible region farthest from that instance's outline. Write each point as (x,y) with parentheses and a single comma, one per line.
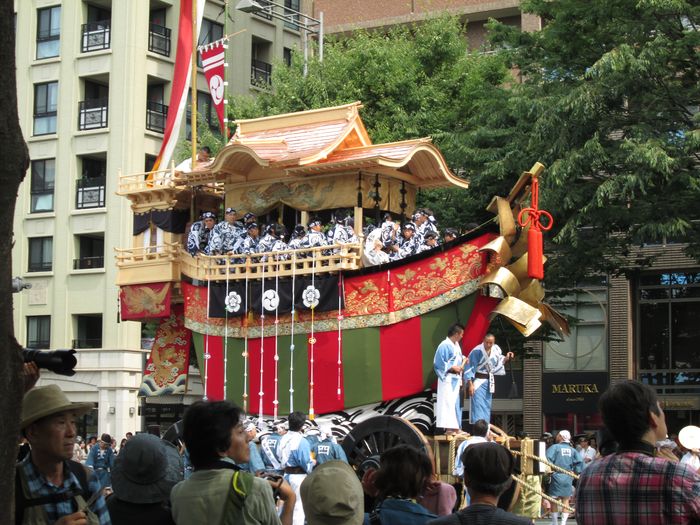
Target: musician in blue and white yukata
(198,238)
(485,361)
(315,236)
(225,234)
(448,365)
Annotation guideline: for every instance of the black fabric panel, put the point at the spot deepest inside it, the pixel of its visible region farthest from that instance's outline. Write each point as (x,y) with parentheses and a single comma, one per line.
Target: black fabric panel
(280,292)
(217,299)
(173,221)
(328,293)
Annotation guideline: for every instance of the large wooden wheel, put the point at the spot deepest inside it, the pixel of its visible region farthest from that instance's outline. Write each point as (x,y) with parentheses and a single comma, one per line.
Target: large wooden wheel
(380,433)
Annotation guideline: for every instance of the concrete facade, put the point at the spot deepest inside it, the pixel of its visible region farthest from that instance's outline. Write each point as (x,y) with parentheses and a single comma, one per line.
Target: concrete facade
(71,226)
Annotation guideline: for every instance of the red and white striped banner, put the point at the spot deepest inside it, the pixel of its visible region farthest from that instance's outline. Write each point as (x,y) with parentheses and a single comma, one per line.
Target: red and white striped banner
(181,80)
(213,63)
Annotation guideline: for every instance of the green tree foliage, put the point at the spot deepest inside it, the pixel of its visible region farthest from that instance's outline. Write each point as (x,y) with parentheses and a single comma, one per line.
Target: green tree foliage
(609,103)
(414,81)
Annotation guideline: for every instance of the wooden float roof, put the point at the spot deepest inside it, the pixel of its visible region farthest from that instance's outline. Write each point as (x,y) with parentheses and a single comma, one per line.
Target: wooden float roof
(320,141)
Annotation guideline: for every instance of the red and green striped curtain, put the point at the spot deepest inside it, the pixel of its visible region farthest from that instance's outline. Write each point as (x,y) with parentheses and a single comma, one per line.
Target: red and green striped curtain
(378,363)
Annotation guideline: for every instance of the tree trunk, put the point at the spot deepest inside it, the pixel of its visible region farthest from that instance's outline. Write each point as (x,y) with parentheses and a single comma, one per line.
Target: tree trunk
(15,160)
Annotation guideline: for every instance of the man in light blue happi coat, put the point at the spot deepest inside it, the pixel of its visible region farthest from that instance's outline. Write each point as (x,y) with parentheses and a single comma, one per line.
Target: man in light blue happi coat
(448,366)
(485,361)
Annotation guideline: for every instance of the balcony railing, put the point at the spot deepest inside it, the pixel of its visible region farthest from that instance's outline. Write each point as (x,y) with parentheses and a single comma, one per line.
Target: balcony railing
(159,40)
(260,72)
(96,36)
(156,115)
(87,343)
(85,263)
(292,21)
(92,114)
(41,266)
(265,14)
(287,263)
(90,193)
(38,345)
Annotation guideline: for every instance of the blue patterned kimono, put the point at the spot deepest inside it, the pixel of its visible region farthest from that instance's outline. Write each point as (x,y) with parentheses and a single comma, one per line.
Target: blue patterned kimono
(491,365)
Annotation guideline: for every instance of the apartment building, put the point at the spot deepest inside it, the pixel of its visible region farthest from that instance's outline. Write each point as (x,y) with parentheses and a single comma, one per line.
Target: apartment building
(94,80)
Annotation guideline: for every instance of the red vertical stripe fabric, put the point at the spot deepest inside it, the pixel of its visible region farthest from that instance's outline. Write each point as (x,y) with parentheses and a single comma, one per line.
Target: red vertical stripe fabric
(268,376)
(215,367)
(478,323)
(181,81)
(401,358)
(325,373)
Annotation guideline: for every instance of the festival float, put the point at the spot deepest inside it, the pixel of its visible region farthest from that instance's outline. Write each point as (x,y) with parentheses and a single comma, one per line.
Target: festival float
(316,330)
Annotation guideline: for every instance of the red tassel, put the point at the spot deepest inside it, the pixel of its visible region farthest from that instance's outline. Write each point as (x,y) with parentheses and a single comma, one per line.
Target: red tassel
(535,268)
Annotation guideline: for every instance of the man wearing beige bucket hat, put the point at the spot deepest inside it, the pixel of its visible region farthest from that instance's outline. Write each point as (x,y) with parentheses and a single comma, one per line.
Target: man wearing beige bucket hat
(50,487)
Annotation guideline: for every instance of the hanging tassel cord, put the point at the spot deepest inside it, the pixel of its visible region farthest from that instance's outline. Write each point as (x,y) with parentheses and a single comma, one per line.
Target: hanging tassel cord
(532,218)
(246,323)
(291,344)
(312,342)
(261,393)
(275,401)
(340,337)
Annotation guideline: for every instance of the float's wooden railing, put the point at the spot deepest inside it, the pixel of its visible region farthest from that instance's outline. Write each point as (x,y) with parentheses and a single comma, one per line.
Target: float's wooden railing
(149,181)
(167,252)
(287,263)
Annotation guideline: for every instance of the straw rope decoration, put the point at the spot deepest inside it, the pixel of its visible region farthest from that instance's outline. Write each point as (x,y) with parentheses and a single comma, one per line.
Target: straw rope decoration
(291,344)
(261,393)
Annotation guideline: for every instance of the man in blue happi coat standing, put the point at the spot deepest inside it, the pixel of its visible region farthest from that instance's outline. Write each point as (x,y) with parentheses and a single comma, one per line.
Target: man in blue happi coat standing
(448,365)
(485,361)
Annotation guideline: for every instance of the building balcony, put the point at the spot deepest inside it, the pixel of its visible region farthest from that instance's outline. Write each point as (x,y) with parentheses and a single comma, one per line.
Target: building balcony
(156,116)
(86,343)
(95,36)
(92,114)
(159,40)
(269,7)
(85,263)
(260,72)
(90,193)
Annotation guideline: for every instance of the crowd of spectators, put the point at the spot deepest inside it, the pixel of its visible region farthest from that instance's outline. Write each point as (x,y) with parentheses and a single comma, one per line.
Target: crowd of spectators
(296,473)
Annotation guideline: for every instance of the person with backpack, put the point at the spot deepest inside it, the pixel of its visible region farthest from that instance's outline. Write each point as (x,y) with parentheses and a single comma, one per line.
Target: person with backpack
(218,491)
(49,486)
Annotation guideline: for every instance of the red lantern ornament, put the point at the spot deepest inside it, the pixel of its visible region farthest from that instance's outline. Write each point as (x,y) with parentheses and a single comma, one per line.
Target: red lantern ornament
(532,217)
